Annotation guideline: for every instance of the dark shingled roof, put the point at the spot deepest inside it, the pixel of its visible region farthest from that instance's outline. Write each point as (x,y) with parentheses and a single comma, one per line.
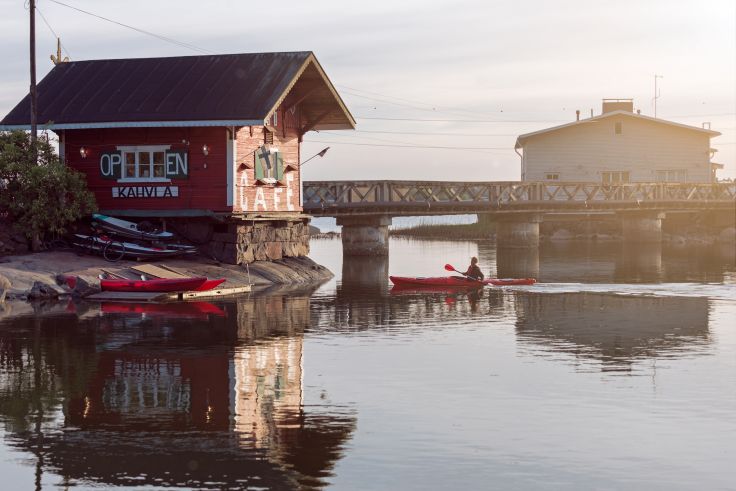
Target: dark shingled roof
(234,87)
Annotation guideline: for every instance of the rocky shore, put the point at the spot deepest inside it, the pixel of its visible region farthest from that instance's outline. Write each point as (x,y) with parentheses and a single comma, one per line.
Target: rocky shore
(36,276)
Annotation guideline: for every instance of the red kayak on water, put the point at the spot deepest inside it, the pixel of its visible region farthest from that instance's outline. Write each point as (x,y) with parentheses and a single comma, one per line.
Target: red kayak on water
(163,285)
(457,281)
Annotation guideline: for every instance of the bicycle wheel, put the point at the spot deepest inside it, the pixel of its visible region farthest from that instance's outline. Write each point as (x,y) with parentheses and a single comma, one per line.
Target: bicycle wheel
(113,251)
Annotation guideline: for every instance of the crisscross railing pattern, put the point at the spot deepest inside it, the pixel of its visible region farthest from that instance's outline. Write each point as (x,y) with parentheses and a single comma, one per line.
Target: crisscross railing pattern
(333,198)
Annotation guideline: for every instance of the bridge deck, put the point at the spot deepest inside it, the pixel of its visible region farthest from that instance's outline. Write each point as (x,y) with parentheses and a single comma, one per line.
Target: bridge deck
(397,198)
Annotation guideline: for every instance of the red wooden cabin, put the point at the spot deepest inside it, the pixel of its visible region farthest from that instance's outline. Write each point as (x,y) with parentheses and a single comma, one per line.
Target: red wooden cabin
(215,139)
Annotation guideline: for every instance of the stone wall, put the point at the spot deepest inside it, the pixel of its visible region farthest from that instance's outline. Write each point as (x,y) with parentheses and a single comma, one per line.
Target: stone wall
(240,241)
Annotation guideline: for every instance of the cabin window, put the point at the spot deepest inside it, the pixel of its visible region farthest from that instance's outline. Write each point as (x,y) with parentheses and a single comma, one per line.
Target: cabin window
(618,127)
(672,175)
(614,176)
(150,163)
(552,177)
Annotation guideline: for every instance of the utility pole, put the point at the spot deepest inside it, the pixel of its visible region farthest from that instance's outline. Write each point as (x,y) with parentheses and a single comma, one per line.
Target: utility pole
(656,93)
(34,102)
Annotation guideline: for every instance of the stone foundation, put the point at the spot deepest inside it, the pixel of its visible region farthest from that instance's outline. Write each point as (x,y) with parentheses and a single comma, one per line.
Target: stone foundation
(240,241)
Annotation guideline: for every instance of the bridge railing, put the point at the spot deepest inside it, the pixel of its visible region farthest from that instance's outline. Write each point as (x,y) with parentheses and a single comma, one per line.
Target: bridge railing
(397,194)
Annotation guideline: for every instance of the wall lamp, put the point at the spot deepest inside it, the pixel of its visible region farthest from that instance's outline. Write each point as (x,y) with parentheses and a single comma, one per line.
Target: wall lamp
(205,149)
(83,152)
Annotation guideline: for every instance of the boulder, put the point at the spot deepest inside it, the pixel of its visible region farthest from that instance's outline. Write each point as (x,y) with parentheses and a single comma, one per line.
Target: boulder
(42,291)
(84,289)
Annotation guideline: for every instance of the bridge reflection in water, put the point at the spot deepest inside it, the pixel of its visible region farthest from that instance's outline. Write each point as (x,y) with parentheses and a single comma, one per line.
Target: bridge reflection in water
(159,400)
(614,331)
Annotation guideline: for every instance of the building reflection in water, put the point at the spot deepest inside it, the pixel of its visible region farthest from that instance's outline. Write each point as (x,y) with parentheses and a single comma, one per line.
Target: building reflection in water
(604,262)
(616,330)
(160,400)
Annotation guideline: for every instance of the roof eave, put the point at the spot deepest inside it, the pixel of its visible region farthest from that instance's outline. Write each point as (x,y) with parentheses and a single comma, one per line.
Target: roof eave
(134,124)
(313,59)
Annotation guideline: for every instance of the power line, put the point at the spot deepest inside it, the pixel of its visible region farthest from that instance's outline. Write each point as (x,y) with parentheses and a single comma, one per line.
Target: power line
(464,120)
(482,149)
(432,133)
(141,31)
(53,32)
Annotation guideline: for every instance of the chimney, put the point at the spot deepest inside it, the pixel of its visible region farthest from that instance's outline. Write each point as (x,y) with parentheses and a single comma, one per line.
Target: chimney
(610,105)
(577,114)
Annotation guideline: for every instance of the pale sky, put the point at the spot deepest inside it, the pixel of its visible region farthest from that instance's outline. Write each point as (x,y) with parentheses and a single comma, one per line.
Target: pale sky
(488,70)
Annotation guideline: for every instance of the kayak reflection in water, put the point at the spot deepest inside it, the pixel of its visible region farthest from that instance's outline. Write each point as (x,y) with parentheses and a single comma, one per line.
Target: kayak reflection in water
(473,270)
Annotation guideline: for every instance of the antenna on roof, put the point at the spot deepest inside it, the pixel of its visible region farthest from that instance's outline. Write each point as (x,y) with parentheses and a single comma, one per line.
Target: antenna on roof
(58,59)
(656,93)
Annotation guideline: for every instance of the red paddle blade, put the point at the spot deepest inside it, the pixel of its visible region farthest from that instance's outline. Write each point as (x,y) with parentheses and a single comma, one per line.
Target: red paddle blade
(449,267)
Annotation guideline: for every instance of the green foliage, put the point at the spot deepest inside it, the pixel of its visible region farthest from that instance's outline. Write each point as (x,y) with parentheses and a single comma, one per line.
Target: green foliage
(43,198)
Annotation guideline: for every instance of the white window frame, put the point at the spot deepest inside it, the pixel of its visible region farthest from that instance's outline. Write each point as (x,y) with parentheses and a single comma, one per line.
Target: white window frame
(618,174)
(137,150)
(671,175)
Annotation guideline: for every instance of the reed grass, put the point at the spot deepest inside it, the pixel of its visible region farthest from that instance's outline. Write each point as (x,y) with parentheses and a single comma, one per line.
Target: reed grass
(447,231)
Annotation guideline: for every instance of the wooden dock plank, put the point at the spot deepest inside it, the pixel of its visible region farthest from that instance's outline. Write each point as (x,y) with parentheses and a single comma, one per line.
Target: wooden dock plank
(158,271)
(217,292)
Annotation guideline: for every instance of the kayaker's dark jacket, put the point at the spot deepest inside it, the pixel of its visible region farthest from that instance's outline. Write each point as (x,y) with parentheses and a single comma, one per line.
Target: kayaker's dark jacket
(475,272)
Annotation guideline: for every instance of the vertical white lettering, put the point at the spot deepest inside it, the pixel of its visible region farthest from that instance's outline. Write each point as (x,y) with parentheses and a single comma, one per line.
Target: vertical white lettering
(289,191)
(105,169)
(243,195)
(260,199)
(276,198)
(181,164)
(170,164)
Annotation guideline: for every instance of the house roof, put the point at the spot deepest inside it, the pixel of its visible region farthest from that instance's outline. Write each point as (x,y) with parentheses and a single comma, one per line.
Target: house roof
(522,138)
(211,90)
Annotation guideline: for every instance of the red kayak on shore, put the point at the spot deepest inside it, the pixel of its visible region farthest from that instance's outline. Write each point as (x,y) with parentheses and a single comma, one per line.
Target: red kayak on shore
(163,285)
(457,281)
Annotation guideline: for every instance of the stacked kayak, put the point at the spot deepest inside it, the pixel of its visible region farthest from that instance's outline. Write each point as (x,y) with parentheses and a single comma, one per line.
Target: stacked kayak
(113,248)
(456,282)
(129,230)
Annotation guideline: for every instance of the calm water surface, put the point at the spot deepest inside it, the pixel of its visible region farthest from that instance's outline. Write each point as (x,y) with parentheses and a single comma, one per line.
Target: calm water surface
(617,371)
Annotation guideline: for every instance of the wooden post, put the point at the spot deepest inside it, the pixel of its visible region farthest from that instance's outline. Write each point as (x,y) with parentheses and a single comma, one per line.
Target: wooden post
(34,108)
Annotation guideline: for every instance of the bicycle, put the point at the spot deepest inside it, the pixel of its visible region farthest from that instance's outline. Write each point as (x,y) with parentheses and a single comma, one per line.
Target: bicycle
(111,250)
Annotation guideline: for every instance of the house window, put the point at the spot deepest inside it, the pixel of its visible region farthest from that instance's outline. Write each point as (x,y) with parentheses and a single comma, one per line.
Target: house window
(552,177)
(618,127)
(671,175)
(267,137)
(614,176)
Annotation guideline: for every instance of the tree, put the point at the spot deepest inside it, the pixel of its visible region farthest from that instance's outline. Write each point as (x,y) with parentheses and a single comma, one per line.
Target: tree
(39,199)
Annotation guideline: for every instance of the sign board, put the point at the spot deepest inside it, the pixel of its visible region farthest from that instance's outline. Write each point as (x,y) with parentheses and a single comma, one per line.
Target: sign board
(145,192)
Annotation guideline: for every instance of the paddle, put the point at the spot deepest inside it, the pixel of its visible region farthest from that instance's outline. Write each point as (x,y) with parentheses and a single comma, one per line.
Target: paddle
(449,267)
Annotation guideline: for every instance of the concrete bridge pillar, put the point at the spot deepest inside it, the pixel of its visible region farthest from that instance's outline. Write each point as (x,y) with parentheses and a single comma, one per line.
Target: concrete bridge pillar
(518,230)
(642,226)
(365,235)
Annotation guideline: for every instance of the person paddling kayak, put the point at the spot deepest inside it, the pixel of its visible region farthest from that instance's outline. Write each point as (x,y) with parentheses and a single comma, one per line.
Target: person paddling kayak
(473,270)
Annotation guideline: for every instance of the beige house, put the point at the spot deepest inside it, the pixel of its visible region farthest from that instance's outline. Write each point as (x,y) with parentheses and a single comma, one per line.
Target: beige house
(618,146)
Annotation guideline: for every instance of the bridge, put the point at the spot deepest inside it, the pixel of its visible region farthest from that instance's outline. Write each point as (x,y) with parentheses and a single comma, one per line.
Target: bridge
(365,208)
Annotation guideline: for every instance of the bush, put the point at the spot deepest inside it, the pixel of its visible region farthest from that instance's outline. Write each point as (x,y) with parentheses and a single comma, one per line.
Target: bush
(41,198)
